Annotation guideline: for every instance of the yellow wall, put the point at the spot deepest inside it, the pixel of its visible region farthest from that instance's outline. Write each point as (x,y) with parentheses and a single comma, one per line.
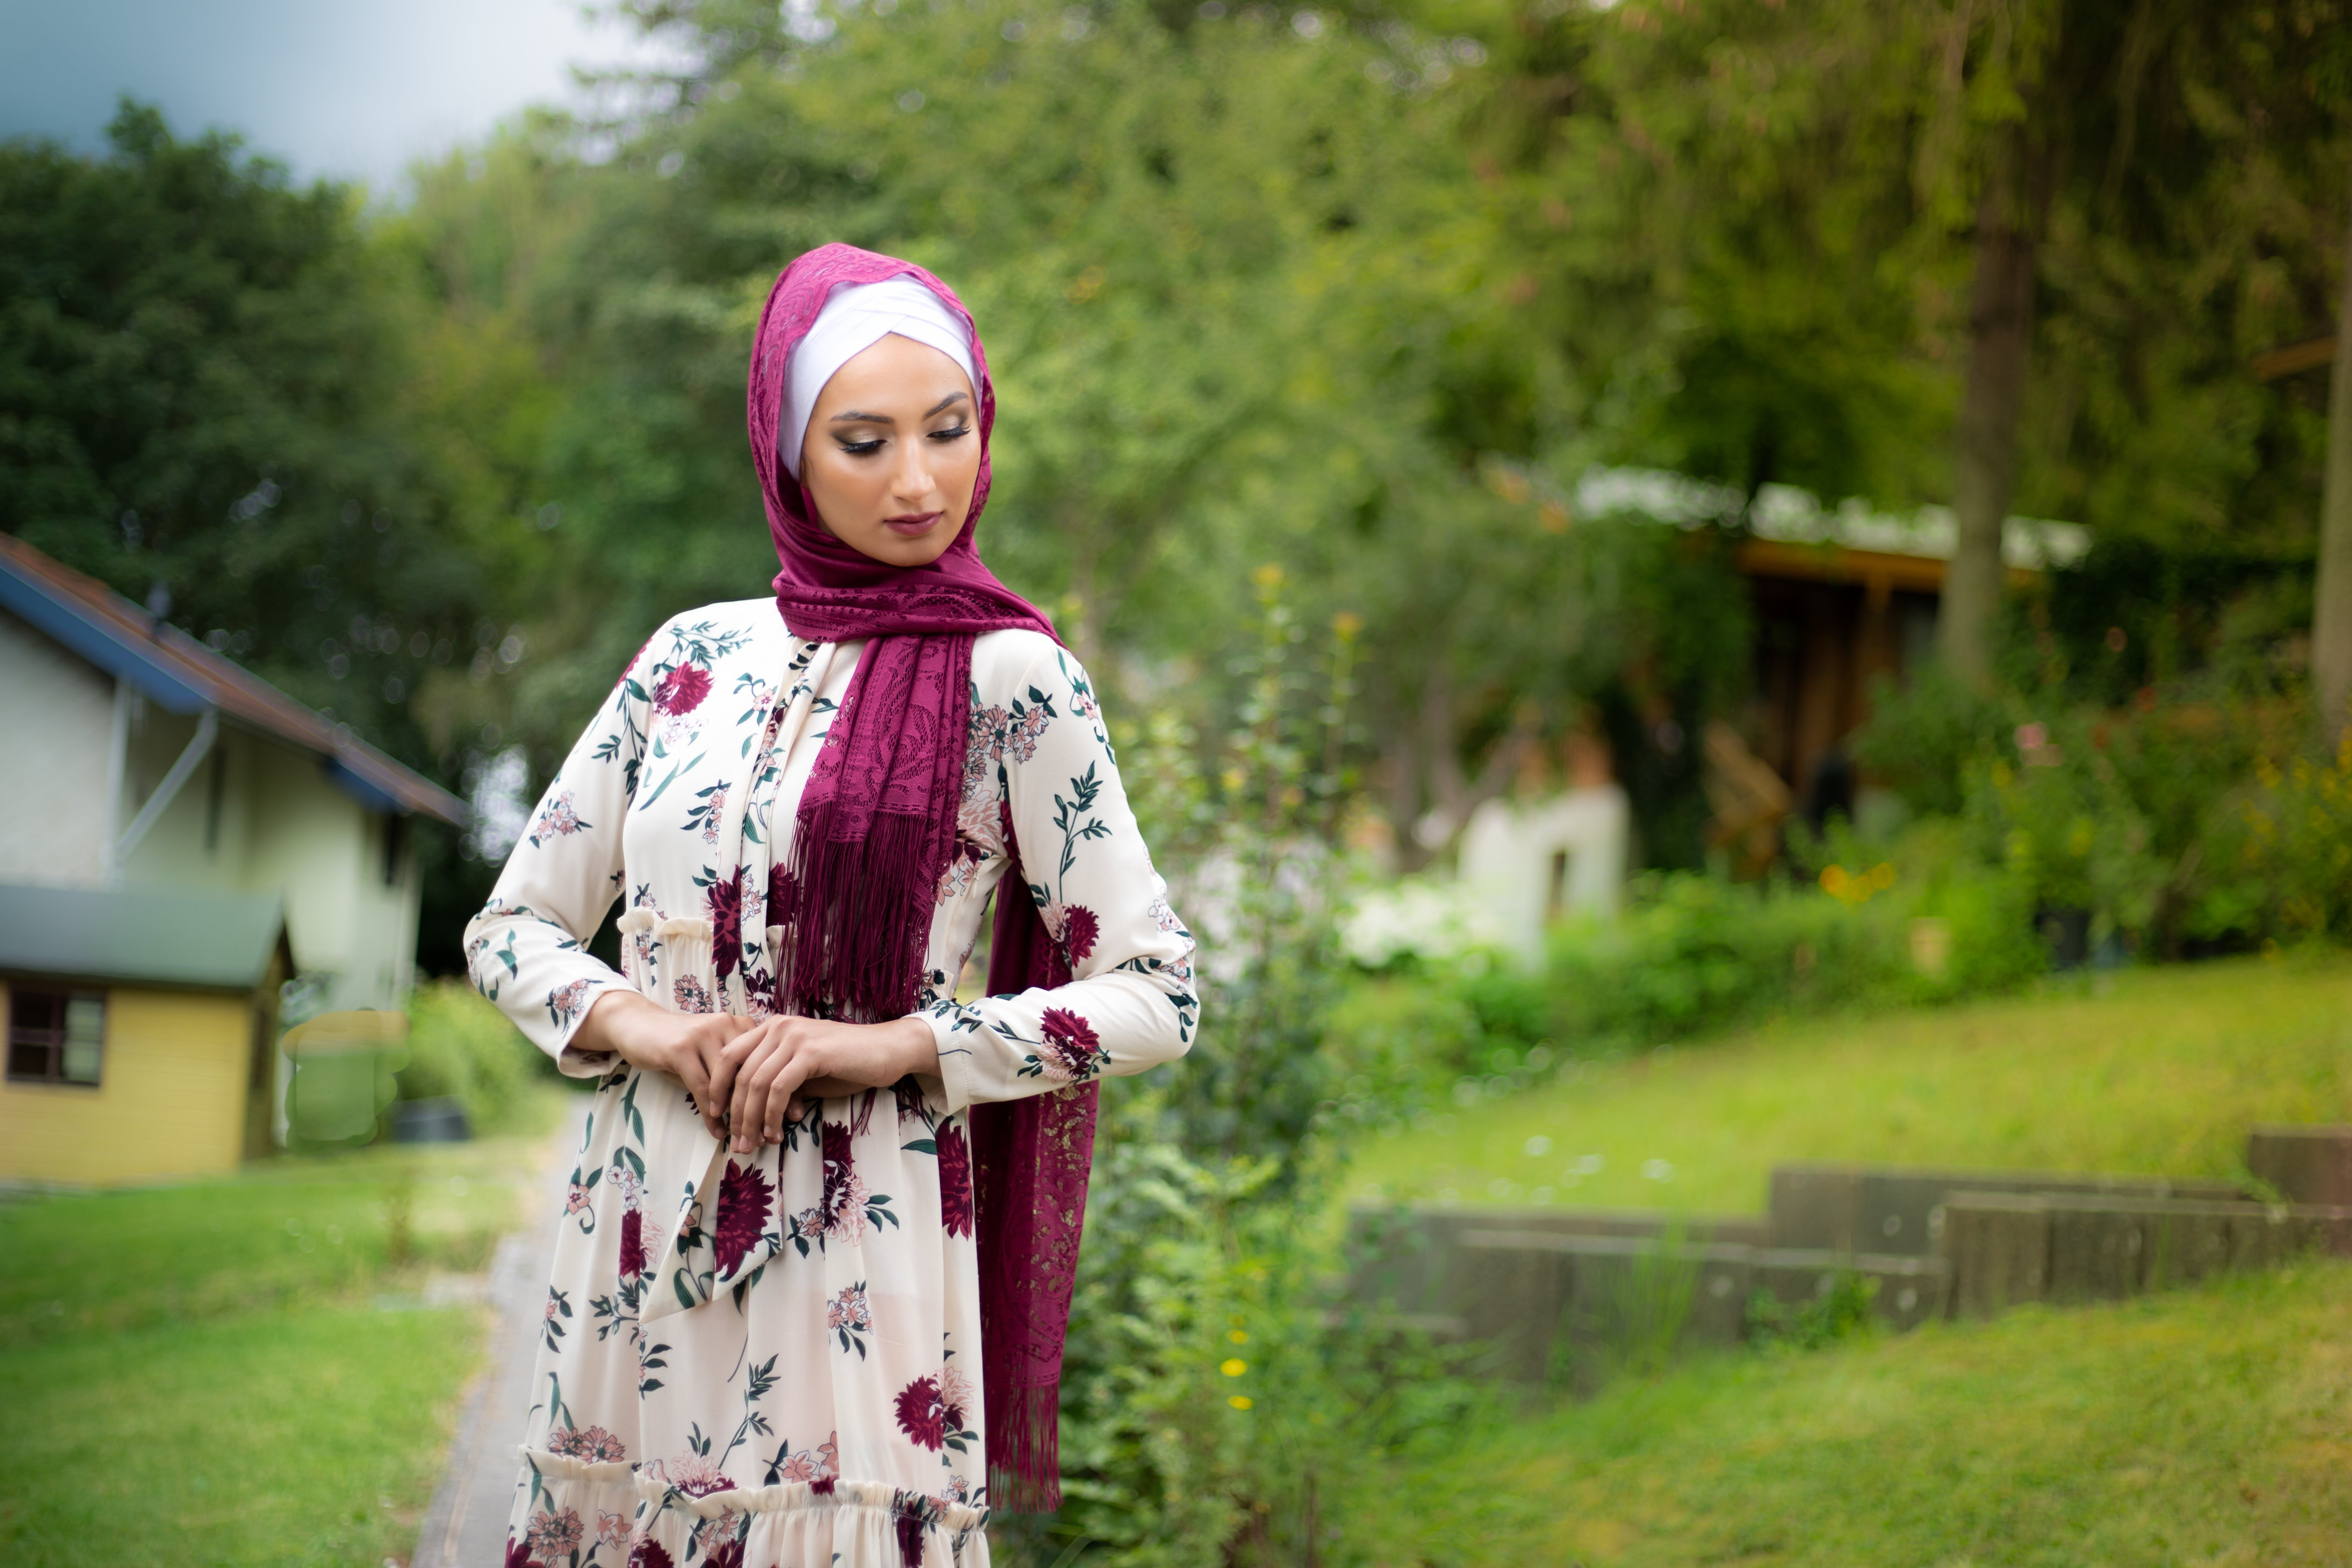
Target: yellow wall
(171,1099)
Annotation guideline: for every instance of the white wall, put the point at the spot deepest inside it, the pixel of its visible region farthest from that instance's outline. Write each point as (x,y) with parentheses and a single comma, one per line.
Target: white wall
(281,828)
(1529,861)
(56,729)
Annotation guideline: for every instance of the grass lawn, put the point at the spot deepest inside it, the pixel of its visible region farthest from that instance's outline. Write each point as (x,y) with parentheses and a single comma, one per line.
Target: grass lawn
(2204,1428)
(238,1370)
(2157,1070)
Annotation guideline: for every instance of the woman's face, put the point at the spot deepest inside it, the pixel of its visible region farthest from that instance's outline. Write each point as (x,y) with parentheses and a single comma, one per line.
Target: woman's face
(893,452)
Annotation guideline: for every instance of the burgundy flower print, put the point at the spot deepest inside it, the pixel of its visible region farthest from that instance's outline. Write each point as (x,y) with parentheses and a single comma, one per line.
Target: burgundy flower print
(518,1555)
(682,690)
(955,1179)
(591,1443)
(1080,929)
(725,896)
(744,1196)
(842,1209)
(633,1244)
(724,1554)
(555,1534)
(908,1515)
(933,1410)
(648,1553)
(922,1415)
(1072,1050)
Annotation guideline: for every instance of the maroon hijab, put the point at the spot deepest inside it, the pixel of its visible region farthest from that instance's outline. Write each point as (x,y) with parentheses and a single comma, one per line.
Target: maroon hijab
(874,828)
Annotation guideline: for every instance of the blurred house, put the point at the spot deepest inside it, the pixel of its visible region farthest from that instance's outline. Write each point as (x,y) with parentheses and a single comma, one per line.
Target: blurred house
(1841,597)
(181,846)
(1536,856)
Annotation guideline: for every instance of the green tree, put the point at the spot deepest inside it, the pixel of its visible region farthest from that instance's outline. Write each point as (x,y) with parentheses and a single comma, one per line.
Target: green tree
(201,373)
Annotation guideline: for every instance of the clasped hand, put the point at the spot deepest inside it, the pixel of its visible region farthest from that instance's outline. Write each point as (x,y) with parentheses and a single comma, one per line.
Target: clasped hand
(749,1076)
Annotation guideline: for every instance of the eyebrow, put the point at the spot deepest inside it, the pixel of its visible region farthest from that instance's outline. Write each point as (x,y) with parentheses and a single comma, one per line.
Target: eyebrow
(858,415)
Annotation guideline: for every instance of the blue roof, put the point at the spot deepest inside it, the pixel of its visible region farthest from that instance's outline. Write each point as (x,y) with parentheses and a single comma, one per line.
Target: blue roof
(181,675)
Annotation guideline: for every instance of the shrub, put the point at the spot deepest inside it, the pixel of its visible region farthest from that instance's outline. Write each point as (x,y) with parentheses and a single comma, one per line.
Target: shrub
(2136,815)
(2292,834)
(1923,737)
(1921,917)
(1209,1402)
(1841,1312)
(1694,953)
(461,1046)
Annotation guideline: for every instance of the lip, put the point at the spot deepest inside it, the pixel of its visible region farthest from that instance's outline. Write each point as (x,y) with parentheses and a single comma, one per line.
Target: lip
(913,526)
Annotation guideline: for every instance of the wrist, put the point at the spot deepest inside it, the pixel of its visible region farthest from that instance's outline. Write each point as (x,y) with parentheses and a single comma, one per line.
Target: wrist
(916,1046)
(625,1025)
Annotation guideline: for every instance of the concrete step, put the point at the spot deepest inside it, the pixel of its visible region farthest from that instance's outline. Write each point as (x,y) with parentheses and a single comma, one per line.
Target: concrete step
(2307,1165)
(1898,1209)
(2010,1248)
(1404,1258)
(1555,1308)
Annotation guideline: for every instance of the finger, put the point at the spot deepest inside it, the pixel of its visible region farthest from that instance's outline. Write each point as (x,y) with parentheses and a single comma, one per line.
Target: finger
(792,1102)
(687,1067)
(785,1101)
(747,1101)
(728,1059)
(759,1122)
(739,1042)
(722,1064)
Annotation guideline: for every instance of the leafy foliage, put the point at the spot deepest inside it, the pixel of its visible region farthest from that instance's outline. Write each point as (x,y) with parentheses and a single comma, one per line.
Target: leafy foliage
(199,403)
(461,1046)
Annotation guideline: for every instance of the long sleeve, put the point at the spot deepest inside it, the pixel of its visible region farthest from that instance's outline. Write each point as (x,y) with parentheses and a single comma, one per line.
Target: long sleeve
(1042,768)
(527,950)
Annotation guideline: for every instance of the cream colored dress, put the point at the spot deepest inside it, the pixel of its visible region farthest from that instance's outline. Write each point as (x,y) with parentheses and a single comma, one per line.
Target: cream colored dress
(772,1361)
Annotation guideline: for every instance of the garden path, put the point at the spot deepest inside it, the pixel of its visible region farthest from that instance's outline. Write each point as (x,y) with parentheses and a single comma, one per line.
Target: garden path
(465,1526)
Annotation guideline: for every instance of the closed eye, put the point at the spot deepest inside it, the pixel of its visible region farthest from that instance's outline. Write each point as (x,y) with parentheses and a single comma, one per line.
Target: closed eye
(862,448)
(957,434)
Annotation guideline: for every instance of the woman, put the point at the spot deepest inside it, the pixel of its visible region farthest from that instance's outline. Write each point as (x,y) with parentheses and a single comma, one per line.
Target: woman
(820,1233)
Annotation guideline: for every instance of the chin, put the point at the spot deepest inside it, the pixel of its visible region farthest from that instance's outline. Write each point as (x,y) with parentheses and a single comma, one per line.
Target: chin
(898,551)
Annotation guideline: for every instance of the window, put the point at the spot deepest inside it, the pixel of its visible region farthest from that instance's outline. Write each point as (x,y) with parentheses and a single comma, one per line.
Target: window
(56,1036)
(395,847)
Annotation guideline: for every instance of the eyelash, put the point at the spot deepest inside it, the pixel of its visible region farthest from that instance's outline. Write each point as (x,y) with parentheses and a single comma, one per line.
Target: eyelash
(868,448)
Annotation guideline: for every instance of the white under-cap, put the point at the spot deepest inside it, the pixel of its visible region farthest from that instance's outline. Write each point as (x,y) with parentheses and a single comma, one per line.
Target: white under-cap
(856,317)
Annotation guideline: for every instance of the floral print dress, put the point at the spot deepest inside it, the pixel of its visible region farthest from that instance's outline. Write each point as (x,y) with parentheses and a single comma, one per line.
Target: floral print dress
(772,1361)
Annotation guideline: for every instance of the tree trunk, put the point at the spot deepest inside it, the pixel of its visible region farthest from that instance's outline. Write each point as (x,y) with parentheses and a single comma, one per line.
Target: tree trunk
(2000,324)
(2331,621)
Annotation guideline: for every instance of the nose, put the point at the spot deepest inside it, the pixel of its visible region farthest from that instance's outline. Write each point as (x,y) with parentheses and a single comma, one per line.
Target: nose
(912,483)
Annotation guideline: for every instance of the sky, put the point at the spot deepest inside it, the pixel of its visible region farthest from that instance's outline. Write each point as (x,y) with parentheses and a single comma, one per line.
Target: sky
(352,90)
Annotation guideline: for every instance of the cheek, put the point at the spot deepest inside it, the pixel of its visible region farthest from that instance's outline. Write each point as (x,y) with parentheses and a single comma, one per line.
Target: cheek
(961,476)
(839,489)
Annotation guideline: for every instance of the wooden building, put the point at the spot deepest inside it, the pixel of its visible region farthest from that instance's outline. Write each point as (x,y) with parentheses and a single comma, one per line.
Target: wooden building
(1839,599)
(182,845)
